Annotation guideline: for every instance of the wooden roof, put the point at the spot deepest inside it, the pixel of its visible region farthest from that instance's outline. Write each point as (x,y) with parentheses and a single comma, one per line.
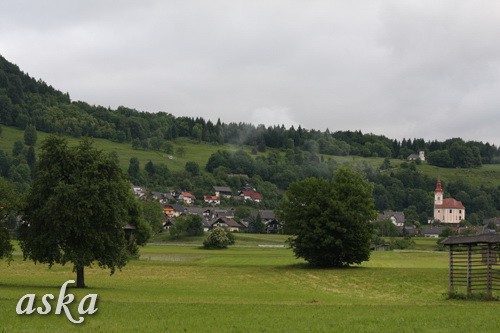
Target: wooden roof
(484,238)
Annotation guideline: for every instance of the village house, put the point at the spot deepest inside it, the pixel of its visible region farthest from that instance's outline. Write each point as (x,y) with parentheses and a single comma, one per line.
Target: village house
(139,191)
(211,199)
(432,232)
(173,210)
(223,192)
(162,197)
(251,195)
(268,217)
(224,213)
(203,212)
(397,218)
(448,210)
(227,223)
(187,198)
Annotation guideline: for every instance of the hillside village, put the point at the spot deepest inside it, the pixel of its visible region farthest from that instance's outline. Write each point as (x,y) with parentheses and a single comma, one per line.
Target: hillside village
(176,204)
(448,213)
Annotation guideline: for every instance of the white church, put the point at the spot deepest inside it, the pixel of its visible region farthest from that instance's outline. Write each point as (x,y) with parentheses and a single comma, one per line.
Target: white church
(449,210)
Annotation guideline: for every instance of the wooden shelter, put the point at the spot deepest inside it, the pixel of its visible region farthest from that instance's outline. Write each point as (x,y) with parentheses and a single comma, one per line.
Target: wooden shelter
(474,264)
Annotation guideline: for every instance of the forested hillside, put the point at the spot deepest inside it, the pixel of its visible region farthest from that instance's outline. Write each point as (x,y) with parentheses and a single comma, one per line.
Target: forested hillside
(25,100)
(152,149)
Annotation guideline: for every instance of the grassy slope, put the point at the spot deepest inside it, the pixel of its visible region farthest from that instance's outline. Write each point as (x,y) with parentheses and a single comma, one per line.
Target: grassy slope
(251,289)
(200,152)
(486,175)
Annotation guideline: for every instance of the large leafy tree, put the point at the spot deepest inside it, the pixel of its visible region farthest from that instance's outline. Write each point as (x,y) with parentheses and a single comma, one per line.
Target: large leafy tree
(77,209)
(9,203)
(330,219)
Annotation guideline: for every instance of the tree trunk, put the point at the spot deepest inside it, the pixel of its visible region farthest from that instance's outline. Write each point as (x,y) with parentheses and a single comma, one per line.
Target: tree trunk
(80,280)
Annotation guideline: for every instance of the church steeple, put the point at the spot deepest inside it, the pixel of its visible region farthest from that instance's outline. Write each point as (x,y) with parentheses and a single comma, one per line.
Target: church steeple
(438,193)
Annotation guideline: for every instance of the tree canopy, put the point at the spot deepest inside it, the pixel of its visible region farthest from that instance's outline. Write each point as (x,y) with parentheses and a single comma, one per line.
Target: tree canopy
(330,219)
(9,203)
(77,209)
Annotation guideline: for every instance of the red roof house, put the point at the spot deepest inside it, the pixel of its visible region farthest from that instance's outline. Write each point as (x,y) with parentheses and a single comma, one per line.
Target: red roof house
(251,195)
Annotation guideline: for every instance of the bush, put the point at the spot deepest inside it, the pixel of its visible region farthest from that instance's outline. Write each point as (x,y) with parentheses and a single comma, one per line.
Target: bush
(401,244)
(218,238)
(189,226)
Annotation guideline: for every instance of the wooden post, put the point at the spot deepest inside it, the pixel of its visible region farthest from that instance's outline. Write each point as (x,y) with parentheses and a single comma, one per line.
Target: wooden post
(489,284)
(469,270)
(451,286)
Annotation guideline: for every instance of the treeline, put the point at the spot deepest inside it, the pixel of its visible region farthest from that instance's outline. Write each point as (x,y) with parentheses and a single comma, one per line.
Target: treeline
(24,101)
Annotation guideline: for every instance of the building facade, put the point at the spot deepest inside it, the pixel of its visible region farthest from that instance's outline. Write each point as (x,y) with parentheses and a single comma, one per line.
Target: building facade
(447,210)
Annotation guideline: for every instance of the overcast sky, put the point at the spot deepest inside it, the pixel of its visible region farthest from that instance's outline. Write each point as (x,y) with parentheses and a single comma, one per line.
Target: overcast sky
(425,69)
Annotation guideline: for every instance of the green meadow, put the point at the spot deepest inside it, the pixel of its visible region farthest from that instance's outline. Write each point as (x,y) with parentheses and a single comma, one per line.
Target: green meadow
(250,288)
(200,152)
(194,151)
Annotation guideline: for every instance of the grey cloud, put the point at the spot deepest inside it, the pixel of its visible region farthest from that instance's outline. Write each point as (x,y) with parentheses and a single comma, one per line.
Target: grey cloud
(403,69)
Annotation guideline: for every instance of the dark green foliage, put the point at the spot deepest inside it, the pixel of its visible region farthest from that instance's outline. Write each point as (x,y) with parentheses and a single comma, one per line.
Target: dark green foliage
(31,159)
(76,210)
(386,228)
(474,297)
(242,212)
(386,164)
(9,204)
(4,164)
(153,214)
(18,148)
(134,169)
(194,225)
(458,155)
(447,232)
(193,168)
(218,238)
(330,219)
(440,158)
(401,244)
(150,169)
(189,226)
(30,135)
(255,225)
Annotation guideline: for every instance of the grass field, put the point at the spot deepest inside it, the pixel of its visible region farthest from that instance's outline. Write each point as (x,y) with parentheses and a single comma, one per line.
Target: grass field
(200,152)
(248,288)
(197,152)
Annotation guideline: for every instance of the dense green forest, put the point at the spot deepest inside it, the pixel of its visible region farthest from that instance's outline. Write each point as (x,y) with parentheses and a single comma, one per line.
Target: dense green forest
(25,100)
(277,155)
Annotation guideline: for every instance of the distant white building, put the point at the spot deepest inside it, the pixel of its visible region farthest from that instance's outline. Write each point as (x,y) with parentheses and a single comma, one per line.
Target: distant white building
(447,210)
(414,157)
(397,218)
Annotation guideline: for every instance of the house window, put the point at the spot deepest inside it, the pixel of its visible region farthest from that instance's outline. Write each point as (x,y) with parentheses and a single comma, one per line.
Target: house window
(451,211)
(460,211)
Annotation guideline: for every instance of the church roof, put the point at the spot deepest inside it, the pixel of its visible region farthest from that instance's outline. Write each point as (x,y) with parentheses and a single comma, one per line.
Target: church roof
(450,204)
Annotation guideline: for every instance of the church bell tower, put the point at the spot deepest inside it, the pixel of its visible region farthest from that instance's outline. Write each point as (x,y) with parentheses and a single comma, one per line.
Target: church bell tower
(438,194)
